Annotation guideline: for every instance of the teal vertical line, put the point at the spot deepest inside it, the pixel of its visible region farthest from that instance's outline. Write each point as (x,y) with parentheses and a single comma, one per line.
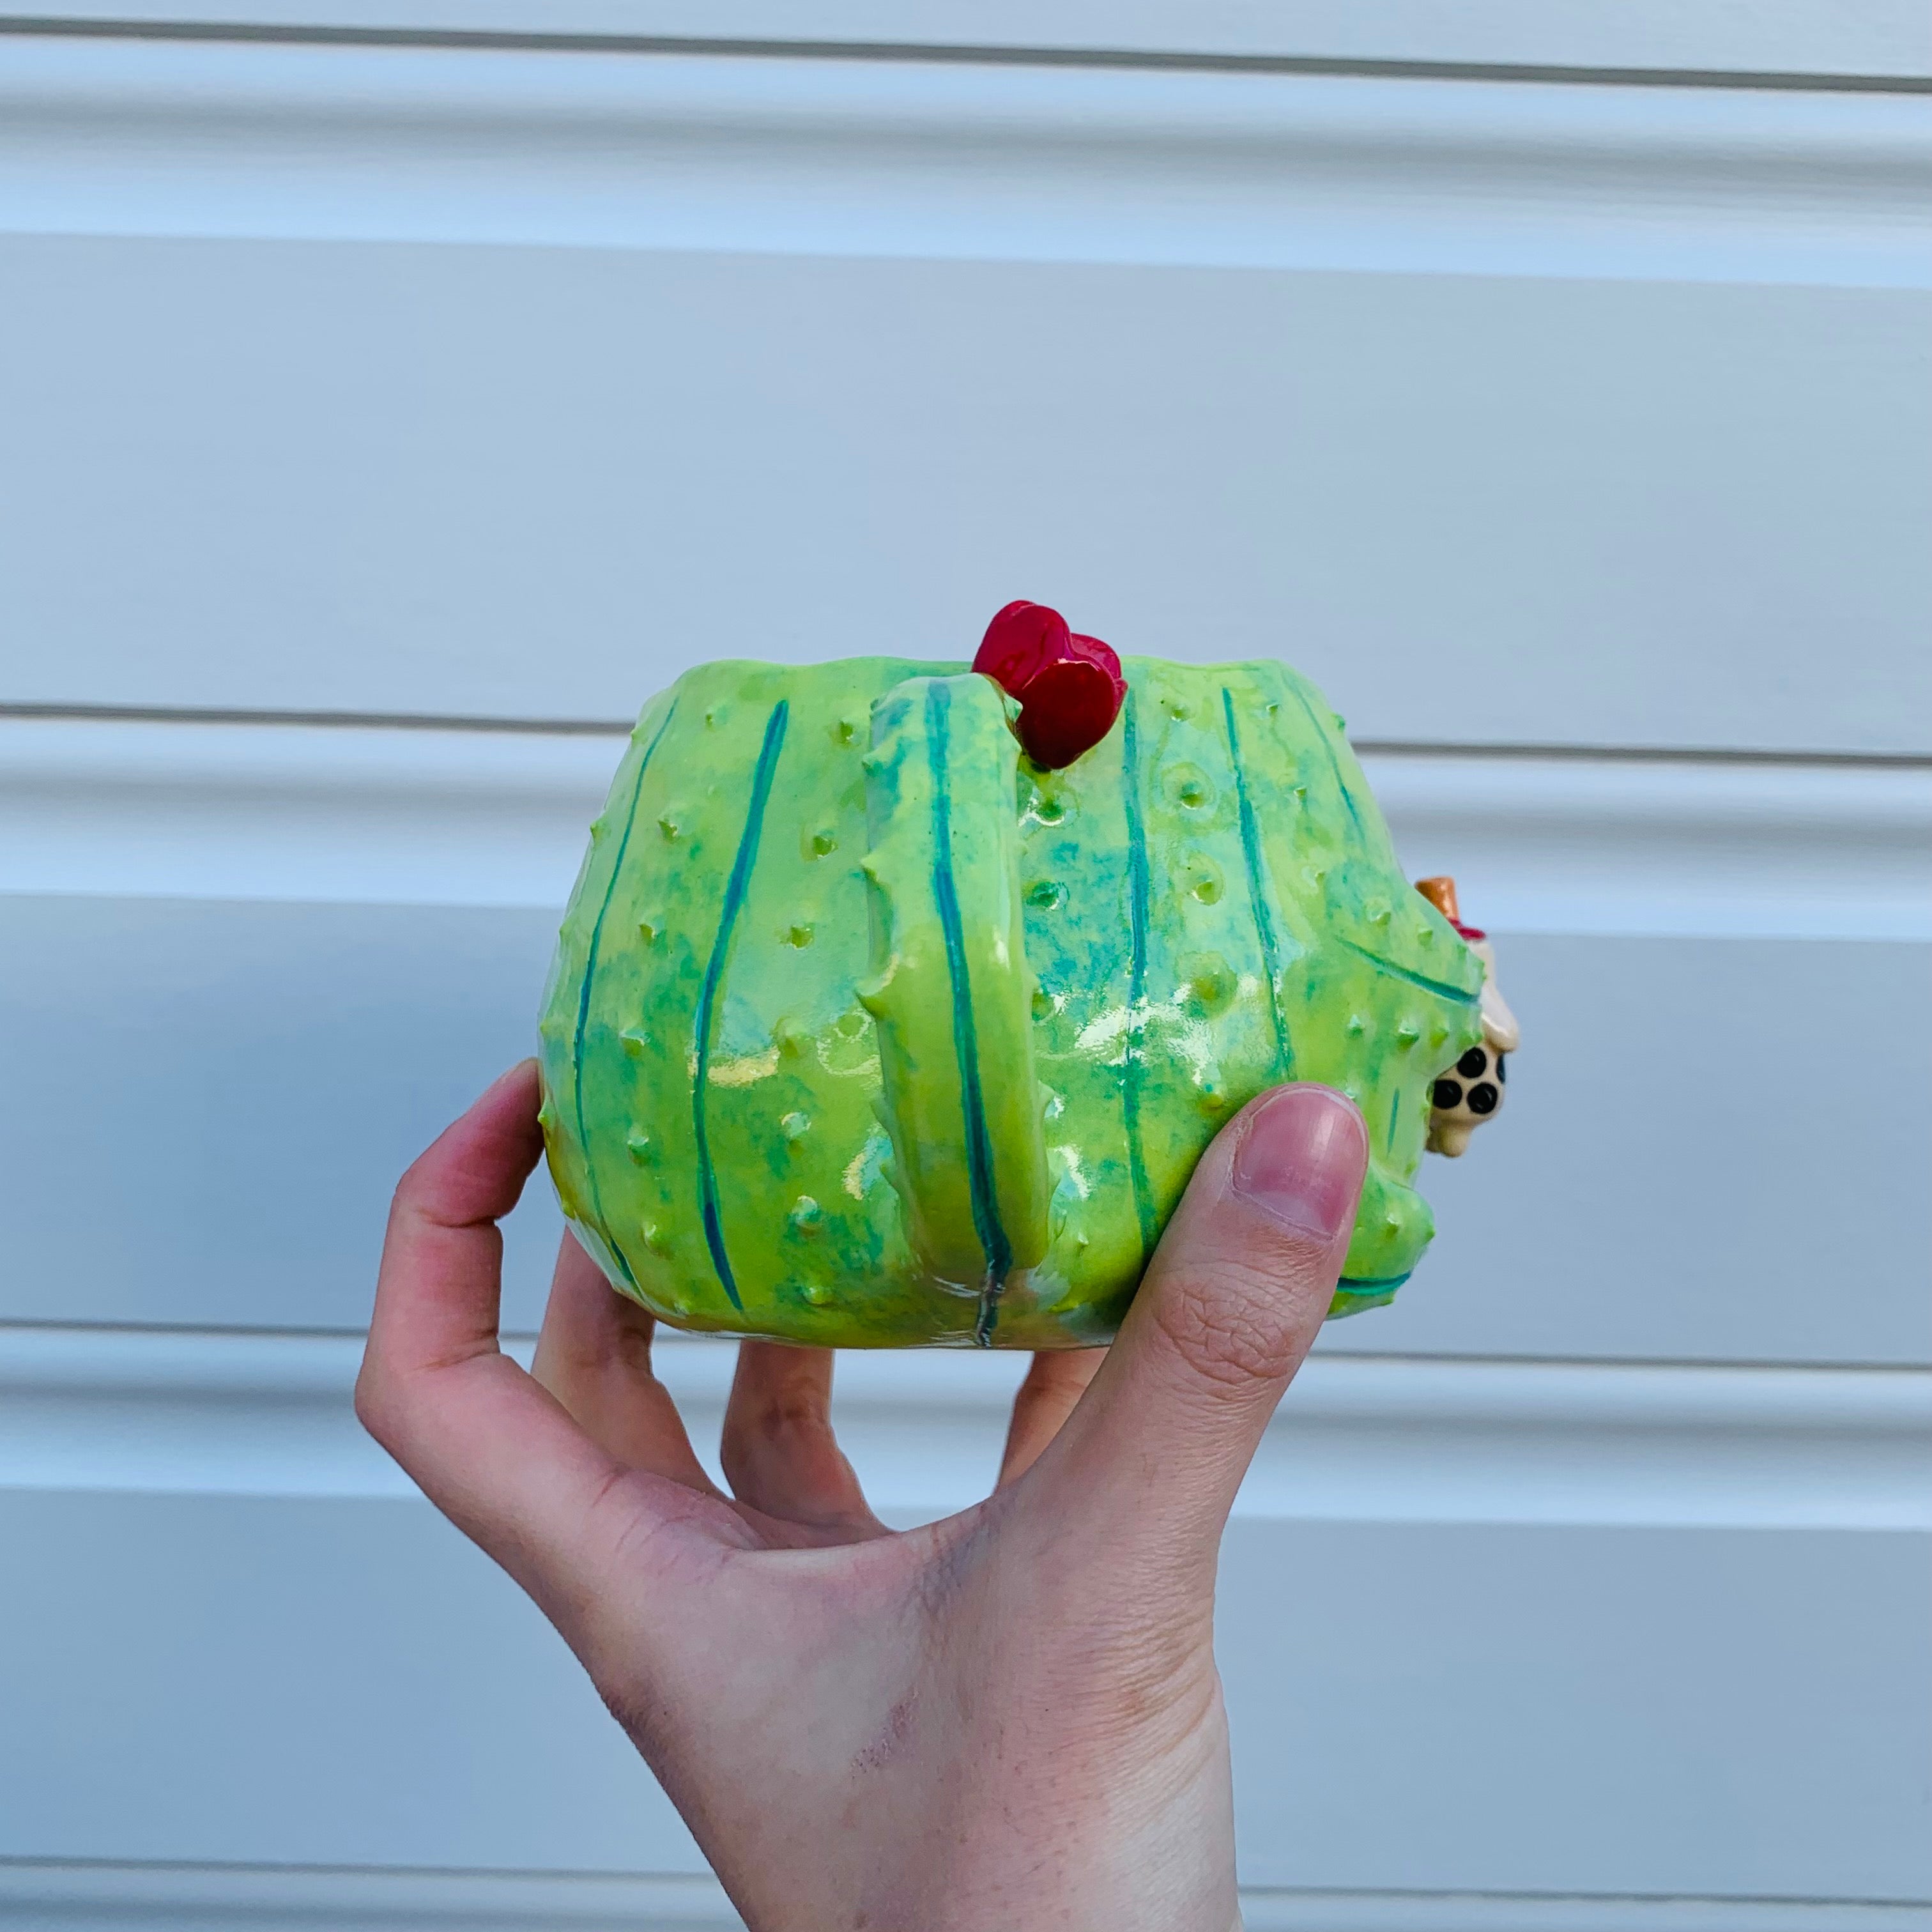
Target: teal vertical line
(1395,1115)
(1251,850)
(1321,738)
(735,890)
(583,996)
(1441,988)
(1132,1069)
(986,1223)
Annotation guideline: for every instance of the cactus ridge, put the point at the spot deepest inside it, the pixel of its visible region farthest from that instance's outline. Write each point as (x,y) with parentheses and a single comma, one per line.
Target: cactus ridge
(1321,737)
(986,1221)
(590,977)
(1132,1066)
(1251,855)
(714,976)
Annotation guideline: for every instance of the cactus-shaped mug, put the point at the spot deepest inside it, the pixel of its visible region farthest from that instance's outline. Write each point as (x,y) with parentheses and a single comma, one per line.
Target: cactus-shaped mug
(895,1007)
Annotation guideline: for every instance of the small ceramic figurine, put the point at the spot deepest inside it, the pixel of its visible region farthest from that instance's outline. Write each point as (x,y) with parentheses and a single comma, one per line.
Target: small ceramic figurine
(1471,1091)
(896,1001)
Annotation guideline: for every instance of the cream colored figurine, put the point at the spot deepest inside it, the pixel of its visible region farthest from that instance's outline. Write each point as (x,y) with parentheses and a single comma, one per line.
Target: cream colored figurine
(1471,1091)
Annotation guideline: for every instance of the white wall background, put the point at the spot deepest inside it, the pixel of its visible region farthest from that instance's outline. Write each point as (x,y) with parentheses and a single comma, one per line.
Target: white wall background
(393,394)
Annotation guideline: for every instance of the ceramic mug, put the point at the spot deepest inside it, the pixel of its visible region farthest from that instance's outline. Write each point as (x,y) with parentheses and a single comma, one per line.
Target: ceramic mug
(866,1030)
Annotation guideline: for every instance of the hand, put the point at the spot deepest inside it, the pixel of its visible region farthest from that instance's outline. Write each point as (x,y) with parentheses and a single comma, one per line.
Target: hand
(1009,1719)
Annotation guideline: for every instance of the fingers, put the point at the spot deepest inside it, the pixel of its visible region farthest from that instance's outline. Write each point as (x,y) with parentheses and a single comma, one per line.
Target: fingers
(1152,1456)
(594,1355)
(777,1447)
(1056,1381)
(492,1449)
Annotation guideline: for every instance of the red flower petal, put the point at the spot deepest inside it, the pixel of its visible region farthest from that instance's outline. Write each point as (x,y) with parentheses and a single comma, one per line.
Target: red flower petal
(1067,710)
(1092,650)
(1069,687)
(1020,643)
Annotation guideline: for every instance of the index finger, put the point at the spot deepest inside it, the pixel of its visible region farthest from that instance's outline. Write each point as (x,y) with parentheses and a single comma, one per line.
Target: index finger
(484,1440)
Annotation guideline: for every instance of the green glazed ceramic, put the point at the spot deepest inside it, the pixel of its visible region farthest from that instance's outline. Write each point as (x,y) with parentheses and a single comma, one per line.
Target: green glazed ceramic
(865,1031)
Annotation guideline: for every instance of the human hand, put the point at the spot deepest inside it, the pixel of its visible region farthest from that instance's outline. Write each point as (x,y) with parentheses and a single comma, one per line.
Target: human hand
(1010,1718)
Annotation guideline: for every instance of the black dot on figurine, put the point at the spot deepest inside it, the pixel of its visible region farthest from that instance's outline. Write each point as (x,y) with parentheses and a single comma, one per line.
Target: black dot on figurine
(1445,1094)
(1502,1068)
(1473,1064)
(1483,1098)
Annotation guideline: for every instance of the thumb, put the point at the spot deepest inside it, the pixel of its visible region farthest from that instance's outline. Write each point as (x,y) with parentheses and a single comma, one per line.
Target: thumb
(1152,1456)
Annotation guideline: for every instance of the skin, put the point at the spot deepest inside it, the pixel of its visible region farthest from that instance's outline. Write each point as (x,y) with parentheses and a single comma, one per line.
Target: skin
(1010,1717)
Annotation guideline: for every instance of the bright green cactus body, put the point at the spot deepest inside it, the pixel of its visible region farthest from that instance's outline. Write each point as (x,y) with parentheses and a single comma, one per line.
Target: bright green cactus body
(864,1031)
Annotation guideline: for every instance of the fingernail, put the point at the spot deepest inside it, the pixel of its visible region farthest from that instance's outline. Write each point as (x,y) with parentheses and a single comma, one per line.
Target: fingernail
(1300,1160)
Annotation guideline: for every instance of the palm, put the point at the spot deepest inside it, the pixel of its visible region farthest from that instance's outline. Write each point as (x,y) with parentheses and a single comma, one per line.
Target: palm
(1009,1717)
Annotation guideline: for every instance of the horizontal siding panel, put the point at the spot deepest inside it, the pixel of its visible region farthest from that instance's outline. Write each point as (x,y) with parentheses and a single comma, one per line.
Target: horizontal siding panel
(1542,1513)
(1680,1173)
(1393,1440)
(1639,847)
(221,1094)
(965,160)
(1768,1744)
(538,485)
(1873,37)
(1751,1713)
(326,814)
(1514,415)
(46,1896)
(217,1100)
(1571,1710)
(253,970)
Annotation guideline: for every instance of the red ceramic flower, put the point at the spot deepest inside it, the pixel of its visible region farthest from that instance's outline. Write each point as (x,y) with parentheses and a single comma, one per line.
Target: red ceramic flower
(1070,687)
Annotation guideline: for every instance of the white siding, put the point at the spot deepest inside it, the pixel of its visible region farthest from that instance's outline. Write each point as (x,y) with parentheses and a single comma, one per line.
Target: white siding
(363,388)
